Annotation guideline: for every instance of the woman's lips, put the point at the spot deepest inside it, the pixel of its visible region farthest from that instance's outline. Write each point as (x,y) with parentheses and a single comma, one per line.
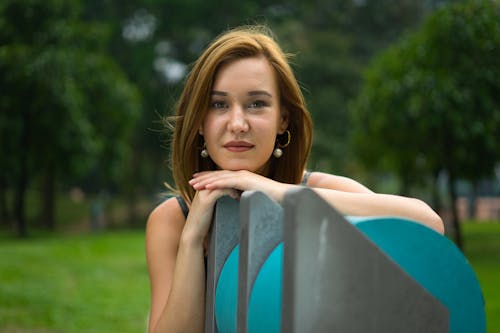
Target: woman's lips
(238,146)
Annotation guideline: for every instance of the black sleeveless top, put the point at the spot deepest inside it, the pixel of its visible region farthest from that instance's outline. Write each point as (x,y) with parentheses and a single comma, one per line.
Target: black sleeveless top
(185,208)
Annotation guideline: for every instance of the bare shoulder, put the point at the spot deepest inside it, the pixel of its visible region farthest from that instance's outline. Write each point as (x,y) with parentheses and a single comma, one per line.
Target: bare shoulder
(334,182)
(165,222)
(168,213)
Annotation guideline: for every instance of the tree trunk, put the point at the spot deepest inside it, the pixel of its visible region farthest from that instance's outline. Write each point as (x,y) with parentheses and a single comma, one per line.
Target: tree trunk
(4,211)
(437,205)
(454,211)
(473,200)
(48,197)
(19,199)
(22,177)
(131,186)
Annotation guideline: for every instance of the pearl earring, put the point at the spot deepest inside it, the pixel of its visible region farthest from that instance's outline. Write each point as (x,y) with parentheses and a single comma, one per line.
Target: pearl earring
(204,151)
(278,152)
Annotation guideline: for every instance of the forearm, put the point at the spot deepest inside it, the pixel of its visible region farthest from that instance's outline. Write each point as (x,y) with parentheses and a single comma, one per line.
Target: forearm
(368,203)
(185,308)
(373,204)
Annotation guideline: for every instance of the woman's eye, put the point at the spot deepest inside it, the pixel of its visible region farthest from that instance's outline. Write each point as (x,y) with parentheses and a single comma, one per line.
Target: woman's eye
(219,105)
(257,104)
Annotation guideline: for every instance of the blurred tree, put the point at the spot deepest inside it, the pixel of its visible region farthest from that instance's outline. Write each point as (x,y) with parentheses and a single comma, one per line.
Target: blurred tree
(62,99)
(430,103)
(335,40)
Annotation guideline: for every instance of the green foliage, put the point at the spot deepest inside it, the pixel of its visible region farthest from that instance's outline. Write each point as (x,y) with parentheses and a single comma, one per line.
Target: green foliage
(334,41)
(63,97)
(430,102)
(73,94)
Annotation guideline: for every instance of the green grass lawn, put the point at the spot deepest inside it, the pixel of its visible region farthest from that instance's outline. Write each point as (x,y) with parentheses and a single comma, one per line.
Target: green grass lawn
(98,282)
(92,283)
(482,248)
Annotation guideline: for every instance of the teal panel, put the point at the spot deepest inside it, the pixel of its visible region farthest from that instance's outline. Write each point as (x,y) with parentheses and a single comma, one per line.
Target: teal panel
(226,294)
(264,308)
(434,262)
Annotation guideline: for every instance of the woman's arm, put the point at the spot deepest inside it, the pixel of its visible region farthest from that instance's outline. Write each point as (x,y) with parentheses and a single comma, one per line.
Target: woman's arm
(346,195)
(352,198)
(165,255)
(175,257)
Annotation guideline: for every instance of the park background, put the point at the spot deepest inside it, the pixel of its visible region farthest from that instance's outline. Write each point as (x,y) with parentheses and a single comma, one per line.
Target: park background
(403,95)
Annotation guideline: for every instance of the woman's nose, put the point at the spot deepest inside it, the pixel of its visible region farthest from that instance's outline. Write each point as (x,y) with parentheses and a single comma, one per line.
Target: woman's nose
(237,120)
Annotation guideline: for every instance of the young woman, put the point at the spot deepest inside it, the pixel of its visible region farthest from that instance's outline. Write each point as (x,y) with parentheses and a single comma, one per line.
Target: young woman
(241,124)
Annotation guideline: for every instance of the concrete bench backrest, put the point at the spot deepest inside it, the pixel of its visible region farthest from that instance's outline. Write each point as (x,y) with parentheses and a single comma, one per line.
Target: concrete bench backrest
(336,280)
(224,239)
(304,267)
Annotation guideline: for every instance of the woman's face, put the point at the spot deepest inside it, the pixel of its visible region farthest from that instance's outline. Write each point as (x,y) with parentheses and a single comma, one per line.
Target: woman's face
(244,116)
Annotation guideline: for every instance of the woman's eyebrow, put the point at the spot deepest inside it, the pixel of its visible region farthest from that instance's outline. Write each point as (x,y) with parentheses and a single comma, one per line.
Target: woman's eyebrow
(259,92)
(218,93)
(250,93)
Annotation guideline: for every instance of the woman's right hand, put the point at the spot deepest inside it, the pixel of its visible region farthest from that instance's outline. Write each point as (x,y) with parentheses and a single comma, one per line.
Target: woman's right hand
(201,212)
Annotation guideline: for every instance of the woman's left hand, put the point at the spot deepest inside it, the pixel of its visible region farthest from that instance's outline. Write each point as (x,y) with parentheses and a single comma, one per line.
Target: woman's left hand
(239,180)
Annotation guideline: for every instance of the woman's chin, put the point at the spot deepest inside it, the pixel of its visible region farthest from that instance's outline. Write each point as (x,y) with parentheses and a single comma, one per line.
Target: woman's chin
(261,170)
(237,167)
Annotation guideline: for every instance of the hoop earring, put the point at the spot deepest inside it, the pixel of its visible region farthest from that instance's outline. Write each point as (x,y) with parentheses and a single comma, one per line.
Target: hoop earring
(278,151)
(204,151)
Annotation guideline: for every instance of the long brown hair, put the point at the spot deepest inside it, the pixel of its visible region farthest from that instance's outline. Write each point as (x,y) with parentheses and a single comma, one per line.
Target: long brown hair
(192,106)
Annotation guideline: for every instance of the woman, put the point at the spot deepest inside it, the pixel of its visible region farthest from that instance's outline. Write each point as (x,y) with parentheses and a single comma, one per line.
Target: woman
(241,124)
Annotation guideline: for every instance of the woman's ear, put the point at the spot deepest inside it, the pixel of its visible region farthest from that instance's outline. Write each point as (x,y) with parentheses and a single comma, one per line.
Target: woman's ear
(283,120)
(200,130)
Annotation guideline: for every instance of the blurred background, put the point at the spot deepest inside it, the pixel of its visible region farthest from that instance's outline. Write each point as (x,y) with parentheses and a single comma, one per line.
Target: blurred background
(404,97)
